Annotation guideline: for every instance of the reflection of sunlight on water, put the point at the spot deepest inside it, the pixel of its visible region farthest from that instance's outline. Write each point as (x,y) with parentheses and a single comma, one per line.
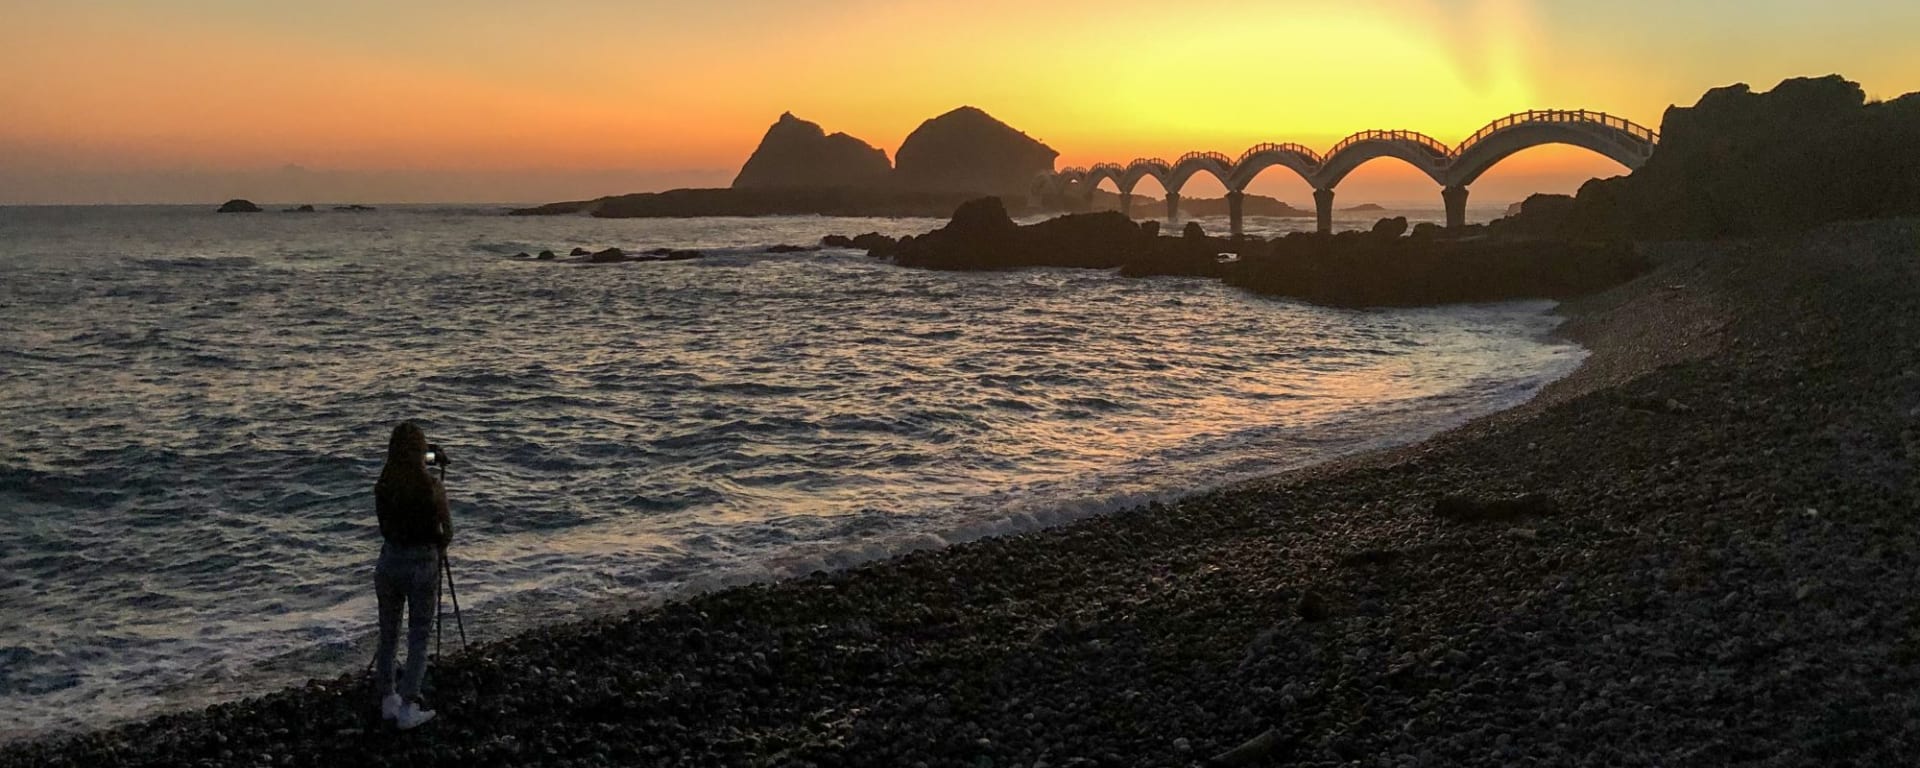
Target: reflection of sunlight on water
(618,433)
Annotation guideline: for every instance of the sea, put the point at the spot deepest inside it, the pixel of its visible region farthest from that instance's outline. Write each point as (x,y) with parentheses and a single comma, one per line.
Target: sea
(194,406)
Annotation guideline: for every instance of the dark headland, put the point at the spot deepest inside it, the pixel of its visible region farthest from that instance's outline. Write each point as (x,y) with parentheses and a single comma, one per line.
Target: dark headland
(1699,549)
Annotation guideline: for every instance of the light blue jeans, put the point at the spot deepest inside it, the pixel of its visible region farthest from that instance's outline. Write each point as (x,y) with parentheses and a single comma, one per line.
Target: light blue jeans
(406,577)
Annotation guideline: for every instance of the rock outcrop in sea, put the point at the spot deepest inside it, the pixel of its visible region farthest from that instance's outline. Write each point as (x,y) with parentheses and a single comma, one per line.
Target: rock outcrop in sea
(797,154)
(967,150)
(981,237)
(238,206)
(1382,267)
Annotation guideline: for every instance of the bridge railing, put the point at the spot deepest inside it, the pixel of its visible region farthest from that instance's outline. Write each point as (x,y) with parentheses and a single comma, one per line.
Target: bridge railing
(1635,130)
(1439,149)
(1218,157)
(1138,161)
(1269,146)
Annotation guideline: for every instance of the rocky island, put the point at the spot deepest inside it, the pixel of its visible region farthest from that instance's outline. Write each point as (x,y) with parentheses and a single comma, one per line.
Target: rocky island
(799,169)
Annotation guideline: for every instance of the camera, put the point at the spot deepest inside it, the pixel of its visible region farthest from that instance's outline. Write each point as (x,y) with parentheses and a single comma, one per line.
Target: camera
(437,456)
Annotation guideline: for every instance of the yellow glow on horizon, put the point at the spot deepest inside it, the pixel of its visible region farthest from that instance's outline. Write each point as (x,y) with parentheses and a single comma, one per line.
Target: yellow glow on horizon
(492,85)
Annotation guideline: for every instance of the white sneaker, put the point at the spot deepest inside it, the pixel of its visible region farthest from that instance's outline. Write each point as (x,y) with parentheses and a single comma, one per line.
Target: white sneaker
(390,706)
(411,716)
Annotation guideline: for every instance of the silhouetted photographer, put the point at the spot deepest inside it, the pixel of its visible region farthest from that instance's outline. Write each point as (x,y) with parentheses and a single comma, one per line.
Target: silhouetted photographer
(416,527)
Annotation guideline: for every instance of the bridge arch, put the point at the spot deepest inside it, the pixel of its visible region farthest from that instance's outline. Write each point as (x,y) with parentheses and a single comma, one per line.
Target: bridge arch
(1293,157)
(1107,172)
(1194,163)
(1615,138)
(1419,150)
(1142,167)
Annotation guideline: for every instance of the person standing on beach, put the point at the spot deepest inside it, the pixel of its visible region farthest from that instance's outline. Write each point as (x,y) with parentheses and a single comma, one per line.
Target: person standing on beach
(416,528)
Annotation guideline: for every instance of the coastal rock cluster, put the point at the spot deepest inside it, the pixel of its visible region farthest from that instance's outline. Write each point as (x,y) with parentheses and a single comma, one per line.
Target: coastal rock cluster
(1739,163)
(620,256)
(1383,267)
(1725,583)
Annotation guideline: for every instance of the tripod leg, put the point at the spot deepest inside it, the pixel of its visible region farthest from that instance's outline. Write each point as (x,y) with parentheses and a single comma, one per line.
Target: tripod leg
(458,622)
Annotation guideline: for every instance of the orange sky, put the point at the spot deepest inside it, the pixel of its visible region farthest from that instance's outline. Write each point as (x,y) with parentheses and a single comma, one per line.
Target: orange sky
(122,100)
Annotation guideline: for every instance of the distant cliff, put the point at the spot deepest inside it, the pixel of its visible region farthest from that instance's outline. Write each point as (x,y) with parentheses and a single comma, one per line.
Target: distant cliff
(1739,163)
(966,150)
(798,154)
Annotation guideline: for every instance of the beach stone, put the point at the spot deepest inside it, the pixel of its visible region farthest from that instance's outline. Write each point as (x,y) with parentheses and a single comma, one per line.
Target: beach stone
(1311,607)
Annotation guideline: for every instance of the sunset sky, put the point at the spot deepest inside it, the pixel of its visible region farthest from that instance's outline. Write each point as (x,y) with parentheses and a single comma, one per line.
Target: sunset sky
(488,100)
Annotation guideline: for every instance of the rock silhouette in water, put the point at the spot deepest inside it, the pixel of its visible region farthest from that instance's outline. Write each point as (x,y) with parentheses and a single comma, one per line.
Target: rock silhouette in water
(982,236)
(966,150)
(796,153)
(238,206)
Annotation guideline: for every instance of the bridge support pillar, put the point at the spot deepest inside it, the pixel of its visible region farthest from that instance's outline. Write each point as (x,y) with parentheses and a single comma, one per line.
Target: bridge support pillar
(1236,206)
(1126,204)
(1456,200)
(1323,211)
(1173,208)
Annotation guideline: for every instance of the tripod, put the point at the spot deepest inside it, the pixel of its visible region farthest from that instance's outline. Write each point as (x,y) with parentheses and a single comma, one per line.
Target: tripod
(446,570)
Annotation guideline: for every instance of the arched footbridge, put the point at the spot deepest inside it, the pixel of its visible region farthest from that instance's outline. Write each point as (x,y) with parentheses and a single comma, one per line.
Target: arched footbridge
(1453,168)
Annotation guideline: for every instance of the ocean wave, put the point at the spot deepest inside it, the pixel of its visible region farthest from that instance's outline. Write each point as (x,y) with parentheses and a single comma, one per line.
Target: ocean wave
(196,437)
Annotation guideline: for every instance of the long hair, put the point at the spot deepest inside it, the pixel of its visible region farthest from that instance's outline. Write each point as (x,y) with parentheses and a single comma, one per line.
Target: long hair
(405,475)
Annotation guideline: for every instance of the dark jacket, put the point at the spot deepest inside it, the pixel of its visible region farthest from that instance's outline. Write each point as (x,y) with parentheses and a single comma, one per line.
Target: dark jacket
(412,517)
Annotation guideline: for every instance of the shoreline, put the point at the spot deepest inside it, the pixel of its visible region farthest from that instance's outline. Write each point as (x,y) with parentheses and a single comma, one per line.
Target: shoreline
(1324,607)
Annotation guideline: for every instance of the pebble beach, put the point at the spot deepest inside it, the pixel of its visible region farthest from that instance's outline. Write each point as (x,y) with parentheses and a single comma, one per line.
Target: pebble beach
(1696,550)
